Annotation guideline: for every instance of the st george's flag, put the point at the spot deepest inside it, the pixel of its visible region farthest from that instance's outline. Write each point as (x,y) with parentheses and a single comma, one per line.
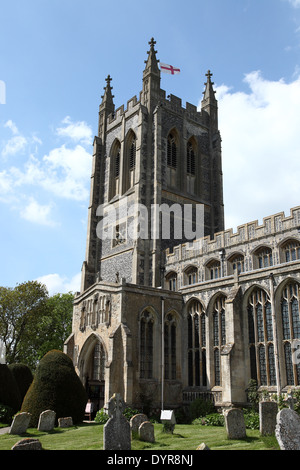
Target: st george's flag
(169,69)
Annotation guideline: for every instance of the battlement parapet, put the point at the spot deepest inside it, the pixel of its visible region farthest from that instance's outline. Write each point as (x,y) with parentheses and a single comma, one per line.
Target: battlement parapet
(250,232)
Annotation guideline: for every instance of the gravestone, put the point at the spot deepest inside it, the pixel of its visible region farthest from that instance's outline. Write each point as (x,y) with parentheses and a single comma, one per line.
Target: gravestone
(235,423)
(146,432)
(20,423)
(203,446)
(46,420)
(287,429)
(65,422)
(27,444)
(136,421)
(267,417)
(116,432)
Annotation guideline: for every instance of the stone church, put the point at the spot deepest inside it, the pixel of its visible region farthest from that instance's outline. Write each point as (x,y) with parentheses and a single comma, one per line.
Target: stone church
(161,319)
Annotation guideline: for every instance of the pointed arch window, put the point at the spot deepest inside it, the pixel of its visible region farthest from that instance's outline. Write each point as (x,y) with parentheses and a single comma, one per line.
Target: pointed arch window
(129,161)
(172,151)
(260,331)
(219,334)
(290,314)
(146,345)
(196,345)
(170,329)
(115,160)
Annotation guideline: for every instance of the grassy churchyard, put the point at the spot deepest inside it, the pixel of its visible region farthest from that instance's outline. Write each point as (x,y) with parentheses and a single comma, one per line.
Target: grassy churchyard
(89,436)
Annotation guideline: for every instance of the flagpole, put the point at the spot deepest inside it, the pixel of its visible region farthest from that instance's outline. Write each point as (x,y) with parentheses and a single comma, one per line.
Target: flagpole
(162,350)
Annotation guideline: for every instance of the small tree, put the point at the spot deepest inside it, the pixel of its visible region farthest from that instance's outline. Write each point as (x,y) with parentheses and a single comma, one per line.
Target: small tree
(57,387)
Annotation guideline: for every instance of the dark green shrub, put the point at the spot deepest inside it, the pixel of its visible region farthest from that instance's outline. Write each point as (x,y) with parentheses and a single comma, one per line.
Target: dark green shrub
(200,407)
(251,418)
(57,387)
(213,419)
(23,377)
(101,417)
(9,391)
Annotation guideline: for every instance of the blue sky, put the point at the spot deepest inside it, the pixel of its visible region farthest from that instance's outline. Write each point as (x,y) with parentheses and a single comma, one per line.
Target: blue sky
(54,58)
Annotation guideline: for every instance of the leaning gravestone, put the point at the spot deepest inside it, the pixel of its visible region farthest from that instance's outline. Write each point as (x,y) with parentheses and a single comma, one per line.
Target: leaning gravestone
(146,432)
(20,423)
(287,430)
(46,420)
(136,421)
(235,423)
(116,432)
(267,417)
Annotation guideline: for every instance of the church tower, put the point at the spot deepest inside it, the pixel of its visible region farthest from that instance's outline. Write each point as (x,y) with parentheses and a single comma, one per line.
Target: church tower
(154,154)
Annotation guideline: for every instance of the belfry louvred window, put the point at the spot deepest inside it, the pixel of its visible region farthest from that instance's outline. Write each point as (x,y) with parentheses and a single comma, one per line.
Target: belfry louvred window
(191,166)
(172,152)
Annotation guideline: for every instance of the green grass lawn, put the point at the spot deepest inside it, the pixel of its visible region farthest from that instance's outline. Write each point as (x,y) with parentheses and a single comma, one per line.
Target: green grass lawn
(89,436)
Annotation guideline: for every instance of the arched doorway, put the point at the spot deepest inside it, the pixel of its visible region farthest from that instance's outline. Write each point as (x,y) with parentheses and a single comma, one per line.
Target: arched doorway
(92,371)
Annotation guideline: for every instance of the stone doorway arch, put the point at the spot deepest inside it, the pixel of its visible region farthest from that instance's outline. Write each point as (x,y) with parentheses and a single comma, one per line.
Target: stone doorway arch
(92,362)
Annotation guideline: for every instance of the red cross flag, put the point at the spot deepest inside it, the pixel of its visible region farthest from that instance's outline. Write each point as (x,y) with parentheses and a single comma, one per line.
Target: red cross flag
(169,69)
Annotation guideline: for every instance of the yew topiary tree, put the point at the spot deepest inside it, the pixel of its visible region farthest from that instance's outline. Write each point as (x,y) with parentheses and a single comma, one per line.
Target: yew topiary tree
(57,387)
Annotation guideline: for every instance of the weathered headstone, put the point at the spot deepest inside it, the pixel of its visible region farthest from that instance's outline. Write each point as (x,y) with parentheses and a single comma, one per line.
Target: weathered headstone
(203,446)
(287,430)
(146,432)
(136,421)
(46,420)
(116,432)
(20,423)
(65,422)
(27,444)
(235,423)
(267,417)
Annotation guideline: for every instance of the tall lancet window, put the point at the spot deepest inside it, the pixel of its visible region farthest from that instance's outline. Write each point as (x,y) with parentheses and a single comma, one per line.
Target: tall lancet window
(191,166)
(290,313)
(172,163)
(261,346)
(196,345)
(146,345)
(219,335)
(170,347)
(129,161)
(115,160)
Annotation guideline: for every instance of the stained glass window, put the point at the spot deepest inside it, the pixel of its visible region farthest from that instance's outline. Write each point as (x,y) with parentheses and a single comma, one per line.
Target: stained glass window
(196,345)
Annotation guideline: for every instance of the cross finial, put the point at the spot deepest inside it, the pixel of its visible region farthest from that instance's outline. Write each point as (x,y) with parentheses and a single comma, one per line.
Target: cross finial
(108,80)
(209,74)
(152,44)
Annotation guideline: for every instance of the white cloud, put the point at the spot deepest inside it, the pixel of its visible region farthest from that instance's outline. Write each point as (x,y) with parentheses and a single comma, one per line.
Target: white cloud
(15,145)
(38,213)
(12,126)
(57,284)
(77,131)
(260,148)
(294,3)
